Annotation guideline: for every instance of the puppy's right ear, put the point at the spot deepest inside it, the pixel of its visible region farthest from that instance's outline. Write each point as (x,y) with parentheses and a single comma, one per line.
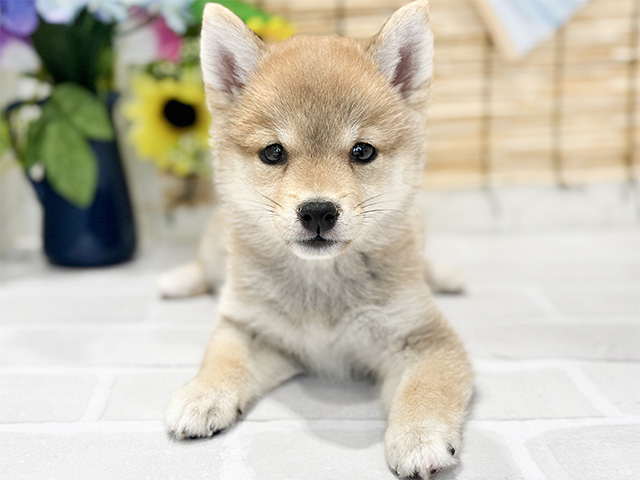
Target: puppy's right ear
(229,51)
(403,49)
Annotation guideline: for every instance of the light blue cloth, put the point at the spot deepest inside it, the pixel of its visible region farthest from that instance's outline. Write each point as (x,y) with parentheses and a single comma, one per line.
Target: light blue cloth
(530,22)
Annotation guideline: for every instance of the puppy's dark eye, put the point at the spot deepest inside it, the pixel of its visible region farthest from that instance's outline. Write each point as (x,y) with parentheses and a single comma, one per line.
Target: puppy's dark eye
(363,153)
(273,154)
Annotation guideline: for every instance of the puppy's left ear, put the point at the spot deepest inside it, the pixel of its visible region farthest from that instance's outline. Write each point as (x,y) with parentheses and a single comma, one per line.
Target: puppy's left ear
(229,51)
(403,48)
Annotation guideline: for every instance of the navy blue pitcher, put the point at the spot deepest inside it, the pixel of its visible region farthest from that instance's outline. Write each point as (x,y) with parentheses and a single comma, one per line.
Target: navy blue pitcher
(102,234)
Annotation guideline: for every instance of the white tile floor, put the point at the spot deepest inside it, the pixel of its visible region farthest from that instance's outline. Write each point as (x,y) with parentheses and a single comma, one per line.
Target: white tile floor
(88,358)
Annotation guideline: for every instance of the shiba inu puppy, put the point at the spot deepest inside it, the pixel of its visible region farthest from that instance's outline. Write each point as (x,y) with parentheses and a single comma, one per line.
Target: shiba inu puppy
(319,148)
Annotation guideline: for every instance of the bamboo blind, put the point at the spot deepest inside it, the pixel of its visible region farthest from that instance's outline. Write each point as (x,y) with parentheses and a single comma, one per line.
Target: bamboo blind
(568,113)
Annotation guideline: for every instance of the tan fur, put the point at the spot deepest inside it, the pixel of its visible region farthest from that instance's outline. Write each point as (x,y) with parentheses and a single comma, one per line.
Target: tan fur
(362,306)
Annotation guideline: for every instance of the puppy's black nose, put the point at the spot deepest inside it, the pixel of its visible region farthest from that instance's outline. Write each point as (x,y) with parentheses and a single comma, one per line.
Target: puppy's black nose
(318,217)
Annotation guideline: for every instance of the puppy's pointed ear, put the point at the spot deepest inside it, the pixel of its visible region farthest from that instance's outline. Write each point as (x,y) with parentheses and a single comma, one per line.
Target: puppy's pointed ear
(403,48)
(229,51)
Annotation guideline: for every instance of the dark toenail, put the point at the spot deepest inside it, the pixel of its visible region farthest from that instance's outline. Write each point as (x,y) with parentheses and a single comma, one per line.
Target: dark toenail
(452,450)
(239,412)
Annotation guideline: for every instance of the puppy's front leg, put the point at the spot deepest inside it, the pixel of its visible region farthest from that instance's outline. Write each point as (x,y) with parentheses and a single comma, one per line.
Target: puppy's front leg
(235,371)
(427,395)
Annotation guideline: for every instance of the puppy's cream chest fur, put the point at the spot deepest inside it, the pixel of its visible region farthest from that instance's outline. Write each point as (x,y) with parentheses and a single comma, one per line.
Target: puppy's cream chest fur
(334,317)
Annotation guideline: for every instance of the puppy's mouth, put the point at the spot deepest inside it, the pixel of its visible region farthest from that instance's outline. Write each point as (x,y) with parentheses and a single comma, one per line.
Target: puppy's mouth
(318,247)
(318,242)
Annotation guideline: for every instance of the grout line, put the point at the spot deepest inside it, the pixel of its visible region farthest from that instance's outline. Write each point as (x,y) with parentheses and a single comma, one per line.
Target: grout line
(234,464)
(533,427)
(99,400)
(490,365)
(116,426)
(74,370)
(577,284)
(592,392)
(516,433)
(515,440)
(480,364)
(541,301)
(82,427)
(548,315)
(540,425)
(151,313)
(109,326)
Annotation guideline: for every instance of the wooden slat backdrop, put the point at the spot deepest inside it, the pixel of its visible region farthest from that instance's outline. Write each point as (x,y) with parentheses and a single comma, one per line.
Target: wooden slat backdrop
(568,113)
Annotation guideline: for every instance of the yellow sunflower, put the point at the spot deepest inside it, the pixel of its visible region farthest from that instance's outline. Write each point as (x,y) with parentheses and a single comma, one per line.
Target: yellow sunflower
(166,114)
(272,29)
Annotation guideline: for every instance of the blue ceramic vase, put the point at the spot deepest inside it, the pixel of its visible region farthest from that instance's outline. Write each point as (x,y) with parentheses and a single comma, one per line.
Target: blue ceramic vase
(102,234)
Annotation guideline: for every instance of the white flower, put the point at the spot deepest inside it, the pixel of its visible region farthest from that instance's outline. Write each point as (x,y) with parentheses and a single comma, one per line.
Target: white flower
(65,11)
(175,12)
(108,10)
(59,11)
(19,56)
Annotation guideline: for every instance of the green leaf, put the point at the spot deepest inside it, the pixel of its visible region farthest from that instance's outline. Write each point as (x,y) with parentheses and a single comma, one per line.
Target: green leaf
(5,135)
(70,53)
(32,150)
(55,46)
(31,153)
(70,164)
(83,110)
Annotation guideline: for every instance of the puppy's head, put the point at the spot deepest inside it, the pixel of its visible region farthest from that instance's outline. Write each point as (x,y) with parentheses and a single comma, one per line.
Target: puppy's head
(318,140)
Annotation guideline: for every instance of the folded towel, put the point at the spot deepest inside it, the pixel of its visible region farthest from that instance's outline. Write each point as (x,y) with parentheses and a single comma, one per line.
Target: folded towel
(518,26)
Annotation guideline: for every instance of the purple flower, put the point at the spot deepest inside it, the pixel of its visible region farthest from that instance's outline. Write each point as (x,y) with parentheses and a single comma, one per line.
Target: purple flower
(18,17)
(18,20)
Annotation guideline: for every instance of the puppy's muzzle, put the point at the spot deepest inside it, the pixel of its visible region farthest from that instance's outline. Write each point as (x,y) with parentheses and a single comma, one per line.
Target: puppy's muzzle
(318,217)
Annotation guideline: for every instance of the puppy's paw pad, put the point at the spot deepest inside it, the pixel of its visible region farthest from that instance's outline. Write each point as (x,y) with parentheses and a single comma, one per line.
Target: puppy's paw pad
(420,451)
(196,410)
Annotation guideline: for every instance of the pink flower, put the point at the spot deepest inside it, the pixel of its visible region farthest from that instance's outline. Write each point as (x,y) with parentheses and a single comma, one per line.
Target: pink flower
(169,43)
(148,39)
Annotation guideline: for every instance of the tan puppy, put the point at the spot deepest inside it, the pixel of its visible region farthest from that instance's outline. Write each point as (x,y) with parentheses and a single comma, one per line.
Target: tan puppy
(319,149)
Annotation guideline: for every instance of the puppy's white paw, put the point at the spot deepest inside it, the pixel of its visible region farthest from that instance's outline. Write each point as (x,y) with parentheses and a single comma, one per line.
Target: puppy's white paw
(187,280)
(199,410)
(443,279)
(420,451)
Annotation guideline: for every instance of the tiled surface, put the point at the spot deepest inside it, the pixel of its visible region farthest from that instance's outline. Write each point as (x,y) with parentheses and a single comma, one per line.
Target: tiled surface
(551,320)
